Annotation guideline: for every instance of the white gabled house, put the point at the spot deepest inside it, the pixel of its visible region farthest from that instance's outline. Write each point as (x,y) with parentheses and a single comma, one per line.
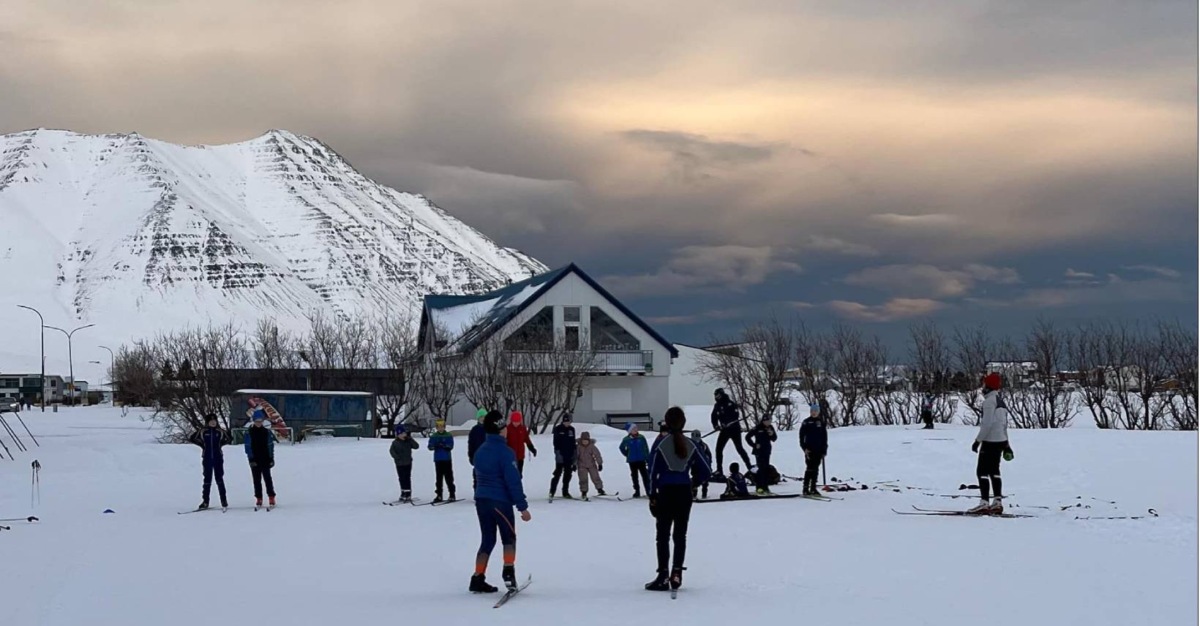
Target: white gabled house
(634,371)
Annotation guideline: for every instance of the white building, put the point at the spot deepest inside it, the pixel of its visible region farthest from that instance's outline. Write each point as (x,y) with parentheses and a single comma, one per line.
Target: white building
(636,370)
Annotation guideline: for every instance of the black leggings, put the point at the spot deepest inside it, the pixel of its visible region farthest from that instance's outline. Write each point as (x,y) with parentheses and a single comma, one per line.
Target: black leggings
(812,466)
(988,468)
(673,509)
(564,470)
(638,468)
(734,435)
(404,473)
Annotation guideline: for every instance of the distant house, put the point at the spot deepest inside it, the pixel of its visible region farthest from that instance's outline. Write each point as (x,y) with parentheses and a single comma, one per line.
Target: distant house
(1015,373)
(29,387)
(633,368)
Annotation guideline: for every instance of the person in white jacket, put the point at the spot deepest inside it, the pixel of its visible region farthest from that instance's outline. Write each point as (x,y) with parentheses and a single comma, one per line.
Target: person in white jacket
(991,443)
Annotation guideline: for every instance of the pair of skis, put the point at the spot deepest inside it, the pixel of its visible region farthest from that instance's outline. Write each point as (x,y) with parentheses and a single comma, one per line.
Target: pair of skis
(222,509)
(936,512)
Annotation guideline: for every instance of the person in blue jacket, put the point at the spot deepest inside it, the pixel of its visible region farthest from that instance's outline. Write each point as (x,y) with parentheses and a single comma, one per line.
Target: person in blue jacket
(442,443)
(210,439)
(637,453)
(675,466)
(497,491)
(701,490)
(814,441)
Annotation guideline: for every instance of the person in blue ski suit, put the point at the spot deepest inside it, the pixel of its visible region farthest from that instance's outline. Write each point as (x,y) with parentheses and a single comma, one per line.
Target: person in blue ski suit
(735,484)
(676,465)
(210,439)
(637,453)
(498,491)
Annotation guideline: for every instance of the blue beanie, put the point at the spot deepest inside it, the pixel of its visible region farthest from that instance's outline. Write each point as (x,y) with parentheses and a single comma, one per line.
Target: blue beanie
(814,407)
(400,429)
(629,426)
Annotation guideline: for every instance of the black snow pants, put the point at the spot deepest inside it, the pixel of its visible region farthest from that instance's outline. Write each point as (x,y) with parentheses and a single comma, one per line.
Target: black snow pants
(404,473)
(988,468)
(444,471)
(735,435)
(673,509)
(214,469)
(638,468)
(812,468)
(262,473)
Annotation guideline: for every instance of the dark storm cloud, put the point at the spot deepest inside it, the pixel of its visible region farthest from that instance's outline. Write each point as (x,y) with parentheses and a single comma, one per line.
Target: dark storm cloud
(934,134)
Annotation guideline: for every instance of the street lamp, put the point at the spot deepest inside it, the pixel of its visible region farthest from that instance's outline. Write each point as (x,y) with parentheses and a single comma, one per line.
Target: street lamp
(70,355)
(42,323)
(112,374)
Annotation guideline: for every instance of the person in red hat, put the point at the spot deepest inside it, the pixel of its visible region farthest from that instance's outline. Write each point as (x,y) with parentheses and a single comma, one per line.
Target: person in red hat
(518,439)
(991,443)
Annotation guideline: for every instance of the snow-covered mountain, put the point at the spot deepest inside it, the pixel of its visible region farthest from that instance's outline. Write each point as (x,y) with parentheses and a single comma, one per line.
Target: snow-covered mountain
(137,235)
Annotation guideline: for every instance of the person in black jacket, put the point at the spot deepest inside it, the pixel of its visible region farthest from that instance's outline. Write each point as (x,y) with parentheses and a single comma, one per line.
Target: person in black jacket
(564,456)
(814,441)
(927,411)
(727,418)
(475,439)
(210,439)
(260,451)
(760,439)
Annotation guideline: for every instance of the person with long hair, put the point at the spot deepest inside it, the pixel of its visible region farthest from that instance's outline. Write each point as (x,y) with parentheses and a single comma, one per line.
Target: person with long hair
(676,465)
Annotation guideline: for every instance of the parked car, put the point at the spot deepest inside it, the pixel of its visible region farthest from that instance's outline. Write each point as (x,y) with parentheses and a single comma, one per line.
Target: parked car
(10,405)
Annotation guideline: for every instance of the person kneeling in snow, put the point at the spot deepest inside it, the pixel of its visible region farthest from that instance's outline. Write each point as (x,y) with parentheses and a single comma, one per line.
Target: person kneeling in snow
(991,443)
(735,484)
(589,463)
(402,447)
(497,490)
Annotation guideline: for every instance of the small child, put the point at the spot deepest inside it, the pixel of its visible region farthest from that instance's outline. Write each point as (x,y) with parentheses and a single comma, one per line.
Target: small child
(735,484)
(706,454)
(589,463)
(442,444)
(637,453)
(402,447)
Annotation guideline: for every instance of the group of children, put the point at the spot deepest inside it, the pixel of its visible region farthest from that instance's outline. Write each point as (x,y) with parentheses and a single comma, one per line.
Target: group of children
(259,445)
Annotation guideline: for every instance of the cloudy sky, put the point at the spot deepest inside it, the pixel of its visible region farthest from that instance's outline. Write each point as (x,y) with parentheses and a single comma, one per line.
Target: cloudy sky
(874,161)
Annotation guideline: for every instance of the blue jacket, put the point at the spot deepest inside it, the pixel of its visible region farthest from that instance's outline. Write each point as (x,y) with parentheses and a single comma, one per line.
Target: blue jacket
(635,449)
(813,435)
(668,468)
(210,441)
(474,441)
(496,475)
(441,444)
(736,485)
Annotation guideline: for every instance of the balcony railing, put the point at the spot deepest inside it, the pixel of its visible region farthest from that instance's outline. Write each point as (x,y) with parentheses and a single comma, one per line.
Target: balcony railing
(603,362)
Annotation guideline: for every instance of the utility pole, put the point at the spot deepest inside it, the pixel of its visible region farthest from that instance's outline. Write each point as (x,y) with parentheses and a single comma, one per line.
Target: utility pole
(112,374)
(41,329)
(70,355)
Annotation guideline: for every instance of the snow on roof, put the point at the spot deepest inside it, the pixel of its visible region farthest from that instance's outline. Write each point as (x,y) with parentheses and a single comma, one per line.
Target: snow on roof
(301,392)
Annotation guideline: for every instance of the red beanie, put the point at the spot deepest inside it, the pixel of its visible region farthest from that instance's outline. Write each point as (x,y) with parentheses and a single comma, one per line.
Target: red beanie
(991,381)
(515,417)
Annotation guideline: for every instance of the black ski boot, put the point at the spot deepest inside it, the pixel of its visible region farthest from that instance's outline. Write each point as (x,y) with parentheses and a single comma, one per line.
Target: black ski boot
(567,495)
(659,583)
(203,505)
(479,585)
(637,494)
(437,499)
(676,578)
(600,492)
(509,575)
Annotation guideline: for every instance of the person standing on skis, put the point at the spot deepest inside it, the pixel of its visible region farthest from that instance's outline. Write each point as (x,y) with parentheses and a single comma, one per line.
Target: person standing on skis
(727,419)
(590,463)
(401,451)
(260,451)
(991,443)
(475,439)
(927,411)
(442,444)
(564,456)
(760,439)
(210,439)
(706,454)
(814,441)
(498,491)
(675,465)
(518,439)
(637,453)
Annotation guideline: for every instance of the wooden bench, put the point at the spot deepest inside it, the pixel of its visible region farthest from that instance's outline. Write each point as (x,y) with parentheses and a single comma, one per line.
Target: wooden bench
(619,420)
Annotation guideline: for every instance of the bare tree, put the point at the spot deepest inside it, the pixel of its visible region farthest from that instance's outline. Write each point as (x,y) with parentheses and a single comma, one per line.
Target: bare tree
(398,341)
(136,374)
(931,358)
(1045,403)
(755,372)
(486,377)
(854,366)
(275,350)
(1179,351)
(184,398)
(972,349)
(1086,356)
(887,397)
(811,361)
(436,383)
(544,384)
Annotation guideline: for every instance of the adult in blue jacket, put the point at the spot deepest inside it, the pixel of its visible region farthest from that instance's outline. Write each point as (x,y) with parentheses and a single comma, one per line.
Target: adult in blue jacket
(675,466)
(814,441)
(497,491)
(637,454)
(210,439)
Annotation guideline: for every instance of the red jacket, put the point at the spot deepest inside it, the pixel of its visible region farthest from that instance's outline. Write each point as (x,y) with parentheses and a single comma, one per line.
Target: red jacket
(518,439)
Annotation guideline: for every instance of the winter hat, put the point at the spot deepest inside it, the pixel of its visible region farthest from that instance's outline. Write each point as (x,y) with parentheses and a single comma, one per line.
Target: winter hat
(493,422)
(258,416)
(586,436)
(515,417)
(719,392)
(991,381)
(696,435)
(566,418)
(814,407)
(211,417)
(765,418)
(630,427)
(400,430)
(480,414)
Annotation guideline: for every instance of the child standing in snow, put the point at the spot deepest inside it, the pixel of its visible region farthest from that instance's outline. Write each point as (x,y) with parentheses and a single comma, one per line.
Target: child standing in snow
(210,439)
(260,451)
(991,443)
(589,463)
(637,453)
(565,446)
(706,454)
(402,447)
(814,441)
(442,444)
(518,439)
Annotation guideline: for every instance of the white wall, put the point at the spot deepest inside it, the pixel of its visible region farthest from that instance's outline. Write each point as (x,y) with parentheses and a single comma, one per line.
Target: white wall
(688,386)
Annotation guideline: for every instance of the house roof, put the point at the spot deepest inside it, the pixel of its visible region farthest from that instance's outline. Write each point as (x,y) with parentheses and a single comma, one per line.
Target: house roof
(470,320)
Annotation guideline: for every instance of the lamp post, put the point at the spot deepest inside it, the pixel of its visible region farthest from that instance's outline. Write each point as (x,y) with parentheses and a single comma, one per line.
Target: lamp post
(70,354)
(112,374)
(41,329)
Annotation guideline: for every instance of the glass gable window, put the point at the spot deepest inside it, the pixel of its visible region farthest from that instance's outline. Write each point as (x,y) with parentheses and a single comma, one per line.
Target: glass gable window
(536,334)
(608,335)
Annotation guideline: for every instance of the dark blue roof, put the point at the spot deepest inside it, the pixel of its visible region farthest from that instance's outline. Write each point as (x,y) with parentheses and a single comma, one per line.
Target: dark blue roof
(507,307)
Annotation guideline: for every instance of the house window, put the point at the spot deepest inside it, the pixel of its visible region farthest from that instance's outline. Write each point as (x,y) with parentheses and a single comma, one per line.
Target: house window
(608,335)
(535,334)
(571,338)
(570,314)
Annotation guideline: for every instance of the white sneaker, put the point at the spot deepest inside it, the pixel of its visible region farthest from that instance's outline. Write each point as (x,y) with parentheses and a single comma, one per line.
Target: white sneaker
(983,508)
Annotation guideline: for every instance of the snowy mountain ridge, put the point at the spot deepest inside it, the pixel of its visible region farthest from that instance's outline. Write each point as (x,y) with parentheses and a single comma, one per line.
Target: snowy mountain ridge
(137,235)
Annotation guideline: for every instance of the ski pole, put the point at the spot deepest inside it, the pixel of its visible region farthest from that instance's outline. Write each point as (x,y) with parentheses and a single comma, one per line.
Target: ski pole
(35,441)
(10,454)
(12,433)
(824,481)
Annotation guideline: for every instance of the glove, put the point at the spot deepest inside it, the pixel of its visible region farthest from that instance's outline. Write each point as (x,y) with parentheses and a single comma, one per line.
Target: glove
(271,464)
(600,468)
(1008,452)
(533,451)
(975,447)
(653,506)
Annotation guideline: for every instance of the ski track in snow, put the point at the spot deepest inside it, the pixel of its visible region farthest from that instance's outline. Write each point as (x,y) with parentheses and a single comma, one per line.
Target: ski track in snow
(331,554)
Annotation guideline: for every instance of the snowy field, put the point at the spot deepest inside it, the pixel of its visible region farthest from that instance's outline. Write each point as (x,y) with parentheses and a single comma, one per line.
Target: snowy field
(332,554)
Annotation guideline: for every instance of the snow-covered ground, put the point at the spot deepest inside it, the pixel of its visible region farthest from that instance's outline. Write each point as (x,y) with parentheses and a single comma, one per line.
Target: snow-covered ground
(332,554)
